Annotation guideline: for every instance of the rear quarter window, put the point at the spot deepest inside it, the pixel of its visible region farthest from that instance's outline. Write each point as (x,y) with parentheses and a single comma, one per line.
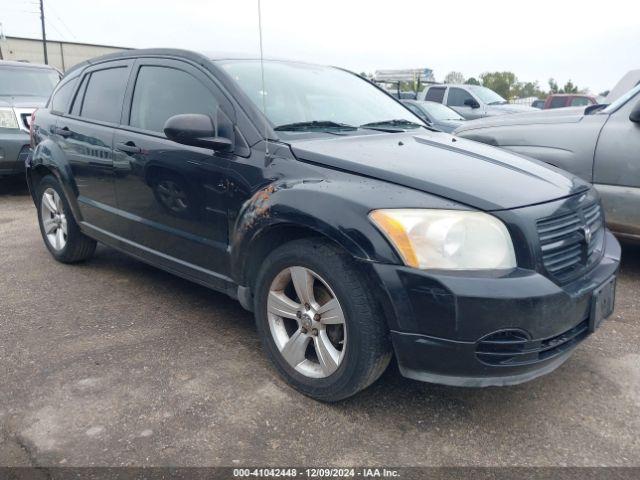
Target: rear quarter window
(62,96)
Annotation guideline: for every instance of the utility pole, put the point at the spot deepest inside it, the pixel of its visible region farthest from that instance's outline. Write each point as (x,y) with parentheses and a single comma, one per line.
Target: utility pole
(44,34)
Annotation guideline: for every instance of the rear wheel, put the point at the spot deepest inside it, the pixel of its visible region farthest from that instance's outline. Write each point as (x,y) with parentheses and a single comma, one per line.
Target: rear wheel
(60,232)
(319,322)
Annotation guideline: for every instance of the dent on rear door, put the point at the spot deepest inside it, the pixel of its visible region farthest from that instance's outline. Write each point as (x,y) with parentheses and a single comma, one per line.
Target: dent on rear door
(617,171)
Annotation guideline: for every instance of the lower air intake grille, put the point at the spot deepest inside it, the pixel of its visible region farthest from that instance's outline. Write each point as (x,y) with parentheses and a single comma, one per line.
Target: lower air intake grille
(512,347)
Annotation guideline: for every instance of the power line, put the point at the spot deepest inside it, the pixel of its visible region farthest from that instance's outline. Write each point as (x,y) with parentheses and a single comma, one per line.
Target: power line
(55,14)
(52,25)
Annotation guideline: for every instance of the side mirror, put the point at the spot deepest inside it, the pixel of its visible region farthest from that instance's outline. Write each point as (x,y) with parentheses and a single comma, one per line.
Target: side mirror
(196,130)
(634,116)
(472,102)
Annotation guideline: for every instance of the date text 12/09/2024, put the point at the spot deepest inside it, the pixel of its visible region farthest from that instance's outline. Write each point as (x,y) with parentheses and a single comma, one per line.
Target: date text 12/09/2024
(316,472)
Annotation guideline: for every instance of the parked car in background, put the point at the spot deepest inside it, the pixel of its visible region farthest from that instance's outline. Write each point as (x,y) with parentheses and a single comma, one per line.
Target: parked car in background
(403,95)
(561,100)
(471,101)
(539,104)
(599,143)
(23,88)
(349,228)
(436,115)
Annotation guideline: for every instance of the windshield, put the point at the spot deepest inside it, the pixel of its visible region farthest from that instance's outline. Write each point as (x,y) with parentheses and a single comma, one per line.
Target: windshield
(622,100)
(297,93)
(440,112)
(486,95)
(25,81)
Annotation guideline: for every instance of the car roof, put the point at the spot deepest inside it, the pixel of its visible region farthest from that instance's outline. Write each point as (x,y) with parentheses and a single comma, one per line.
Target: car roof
(195,56)
(14,63)
(570,95)
(459,85)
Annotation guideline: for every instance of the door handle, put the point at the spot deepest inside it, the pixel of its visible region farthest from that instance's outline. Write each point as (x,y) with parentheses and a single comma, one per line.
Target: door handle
(63,132)
(128,147)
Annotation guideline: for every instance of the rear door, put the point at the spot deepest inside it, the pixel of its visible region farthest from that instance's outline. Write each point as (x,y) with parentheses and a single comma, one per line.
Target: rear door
(435,94)
(558,102)
(85,134)
(172,197)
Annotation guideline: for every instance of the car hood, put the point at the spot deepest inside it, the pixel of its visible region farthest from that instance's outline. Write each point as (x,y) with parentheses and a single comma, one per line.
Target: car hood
(466,172)
(448,125)
(553,116)
(508,108)
(22,101)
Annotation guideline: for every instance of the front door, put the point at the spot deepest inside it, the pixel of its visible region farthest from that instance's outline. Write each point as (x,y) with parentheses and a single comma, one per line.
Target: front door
(616,171)
(172,197)
(456,98)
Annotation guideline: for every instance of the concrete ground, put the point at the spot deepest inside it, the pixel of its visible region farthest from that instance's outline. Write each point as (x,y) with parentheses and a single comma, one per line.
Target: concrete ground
(116,363)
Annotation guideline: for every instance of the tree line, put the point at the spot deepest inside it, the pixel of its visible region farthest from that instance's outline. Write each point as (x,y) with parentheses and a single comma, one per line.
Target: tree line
(507,85)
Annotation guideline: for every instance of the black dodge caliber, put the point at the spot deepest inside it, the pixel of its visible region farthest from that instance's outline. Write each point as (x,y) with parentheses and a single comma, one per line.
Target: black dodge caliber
(350,229)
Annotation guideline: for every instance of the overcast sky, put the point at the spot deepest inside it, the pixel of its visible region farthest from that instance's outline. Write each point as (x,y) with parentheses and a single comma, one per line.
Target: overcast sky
(560,39)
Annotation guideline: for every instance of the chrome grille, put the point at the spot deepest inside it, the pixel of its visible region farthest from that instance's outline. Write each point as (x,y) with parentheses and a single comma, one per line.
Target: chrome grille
(571,242)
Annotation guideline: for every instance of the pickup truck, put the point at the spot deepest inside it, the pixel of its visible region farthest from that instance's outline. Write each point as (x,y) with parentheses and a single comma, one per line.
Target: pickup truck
(561,100)
(598,143)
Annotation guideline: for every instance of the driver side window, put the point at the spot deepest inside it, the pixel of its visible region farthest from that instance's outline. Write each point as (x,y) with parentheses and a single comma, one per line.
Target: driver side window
(162,92)
(457,97)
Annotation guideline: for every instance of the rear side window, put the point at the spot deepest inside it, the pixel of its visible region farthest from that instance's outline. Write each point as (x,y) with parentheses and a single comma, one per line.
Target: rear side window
(435,94)
(162,92)
(457,97)
(62,96)
(580,102)
(77,102)
(104,95)
(558,102)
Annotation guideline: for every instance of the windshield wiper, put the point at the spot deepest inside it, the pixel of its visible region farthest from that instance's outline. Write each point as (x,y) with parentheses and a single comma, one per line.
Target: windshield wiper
(314,125)
(499,102)
(399,124)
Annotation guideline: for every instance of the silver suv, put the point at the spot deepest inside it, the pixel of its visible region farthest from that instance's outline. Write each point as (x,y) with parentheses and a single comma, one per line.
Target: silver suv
(23,88)
(471,101)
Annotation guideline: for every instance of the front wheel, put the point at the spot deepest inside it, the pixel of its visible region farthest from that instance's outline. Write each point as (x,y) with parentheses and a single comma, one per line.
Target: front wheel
(319,321)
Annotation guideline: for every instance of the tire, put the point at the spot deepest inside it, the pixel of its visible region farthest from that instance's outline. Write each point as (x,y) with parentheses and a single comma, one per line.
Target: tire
(361,346)
(75,246)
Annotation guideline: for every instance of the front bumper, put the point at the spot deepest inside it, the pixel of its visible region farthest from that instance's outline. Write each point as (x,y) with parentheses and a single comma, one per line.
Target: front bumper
(439,319)
(14,150)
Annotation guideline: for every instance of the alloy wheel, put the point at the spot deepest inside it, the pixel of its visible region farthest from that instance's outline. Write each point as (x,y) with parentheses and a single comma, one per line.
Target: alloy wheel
(307,322)
(54,220)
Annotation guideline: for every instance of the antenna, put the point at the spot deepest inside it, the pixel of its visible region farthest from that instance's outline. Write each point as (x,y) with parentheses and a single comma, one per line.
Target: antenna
(264,92)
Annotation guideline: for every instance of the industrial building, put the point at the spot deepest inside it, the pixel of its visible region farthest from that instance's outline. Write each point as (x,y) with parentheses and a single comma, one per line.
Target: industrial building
(62,55)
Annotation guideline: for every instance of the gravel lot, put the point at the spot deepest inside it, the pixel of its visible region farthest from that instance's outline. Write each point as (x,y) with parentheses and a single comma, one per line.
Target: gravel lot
(114,362)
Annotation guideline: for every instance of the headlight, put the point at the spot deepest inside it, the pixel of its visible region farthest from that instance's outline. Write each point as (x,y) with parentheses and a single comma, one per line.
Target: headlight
(447,239)
(8,118)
